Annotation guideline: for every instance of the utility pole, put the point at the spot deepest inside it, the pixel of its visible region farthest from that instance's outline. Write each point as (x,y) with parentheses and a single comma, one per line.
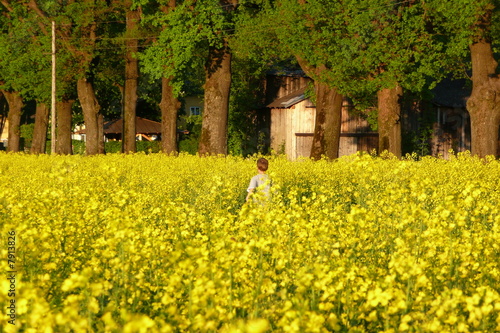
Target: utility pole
(53,104)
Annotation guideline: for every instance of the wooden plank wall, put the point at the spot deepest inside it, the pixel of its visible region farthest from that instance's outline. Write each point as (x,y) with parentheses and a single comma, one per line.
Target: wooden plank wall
(303,120)
(356,134)
(303,145)
(278,129)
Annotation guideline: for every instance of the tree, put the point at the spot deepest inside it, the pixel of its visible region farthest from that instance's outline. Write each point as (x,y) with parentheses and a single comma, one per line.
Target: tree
(361,48)
(264,34)
(198,35)
(213,138)
(301,40)
(15,102)
(471,31)
(3,112)
(78,32)
(40,129)
(19,67)
(133,15)
(64,126)
(26,67)
(158,61)
(404,55)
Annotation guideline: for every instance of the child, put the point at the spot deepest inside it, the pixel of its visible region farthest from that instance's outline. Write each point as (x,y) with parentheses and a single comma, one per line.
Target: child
(261,180)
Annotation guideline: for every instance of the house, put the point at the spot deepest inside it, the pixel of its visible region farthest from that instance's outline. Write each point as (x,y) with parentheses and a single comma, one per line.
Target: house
(293,119)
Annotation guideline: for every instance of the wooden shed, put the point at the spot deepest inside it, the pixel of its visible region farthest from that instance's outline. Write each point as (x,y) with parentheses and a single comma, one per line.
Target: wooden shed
(293,120)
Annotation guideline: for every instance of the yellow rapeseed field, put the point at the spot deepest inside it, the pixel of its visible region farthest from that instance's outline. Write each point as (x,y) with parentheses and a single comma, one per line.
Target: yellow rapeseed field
(156,243)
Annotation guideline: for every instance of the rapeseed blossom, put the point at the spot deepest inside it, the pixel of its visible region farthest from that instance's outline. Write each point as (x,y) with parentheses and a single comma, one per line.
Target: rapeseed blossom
(157,243)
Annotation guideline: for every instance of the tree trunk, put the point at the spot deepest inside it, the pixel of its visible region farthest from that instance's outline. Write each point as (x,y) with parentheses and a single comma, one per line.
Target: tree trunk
(100,133)
(213,138)
(90,108)
(131,78)
(15,102)
(484,103)
(389,120)
(328,120)
(326,139)
(4,109)
(40,131)
(169,106)
(63,143)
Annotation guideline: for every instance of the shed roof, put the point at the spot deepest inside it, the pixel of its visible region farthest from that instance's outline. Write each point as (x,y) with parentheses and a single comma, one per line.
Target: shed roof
(289,100)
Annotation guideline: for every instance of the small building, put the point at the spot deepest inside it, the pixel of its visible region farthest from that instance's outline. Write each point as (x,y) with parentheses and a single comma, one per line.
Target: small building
(293,118)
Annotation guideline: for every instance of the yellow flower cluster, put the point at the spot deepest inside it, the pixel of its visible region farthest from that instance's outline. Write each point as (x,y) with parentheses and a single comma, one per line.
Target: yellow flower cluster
(156,243)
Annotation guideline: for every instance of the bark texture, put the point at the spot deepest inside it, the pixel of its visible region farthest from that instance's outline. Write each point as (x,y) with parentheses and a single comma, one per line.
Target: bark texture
(213,140)
(100,133)
(15,102)
(389,120)
(131,84)
(484,103)
(169,105)
(40,131)
(94,142)
(63,144)
(326,137)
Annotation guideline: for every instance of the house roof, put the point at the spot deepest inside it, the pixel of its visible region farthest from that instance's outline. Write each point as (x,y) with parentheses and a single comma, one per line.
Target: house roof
(452,93)
(289,100)
(142,126)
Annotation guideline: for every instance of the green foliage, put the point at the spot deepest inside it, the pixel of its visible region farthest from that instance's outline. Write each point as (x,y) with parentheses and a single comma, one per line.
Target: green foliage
(24,54)
(247,131)
(78,147)
(256,38)
(185,37)
(362,47)
(114,147)
(148,146)
(26,131)
(189,143)
(420,140)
